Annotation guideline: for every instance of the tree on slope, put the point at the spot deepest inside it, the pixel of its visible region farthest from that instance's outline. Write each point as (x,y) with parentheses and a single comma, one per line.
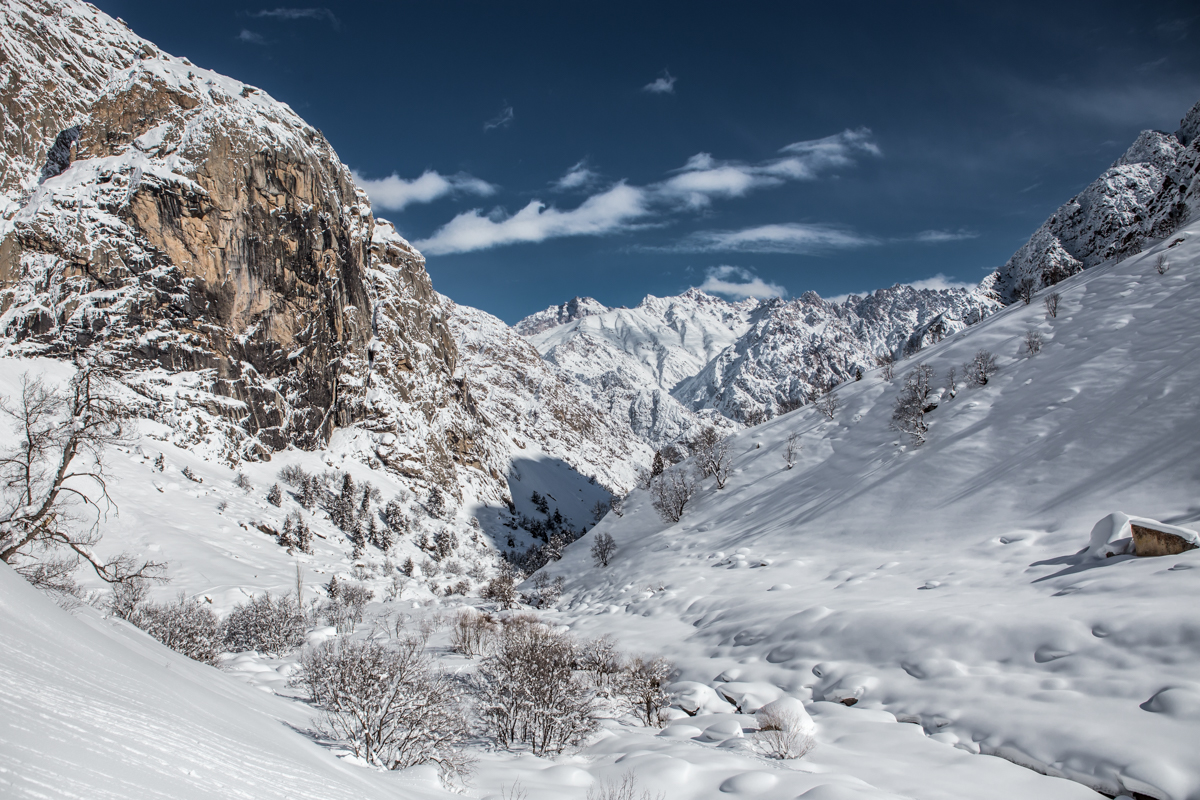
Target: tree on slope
(913,403)
(54,486)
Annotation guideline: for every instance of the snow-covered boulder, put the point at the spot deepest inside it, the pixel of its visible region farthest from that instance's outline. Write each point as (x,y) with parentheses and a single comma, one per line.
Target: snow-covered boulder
(1120,534)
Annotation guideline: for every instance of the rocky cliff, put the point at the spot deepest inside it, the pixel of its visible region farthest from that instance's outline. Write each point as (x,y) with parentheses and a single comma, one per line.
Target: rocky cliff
(1145,195)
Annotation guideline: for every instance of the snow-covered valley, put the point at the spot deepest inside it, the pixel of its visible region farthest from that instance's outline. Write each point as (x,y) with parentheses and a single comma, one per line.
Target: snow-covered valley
(944,596)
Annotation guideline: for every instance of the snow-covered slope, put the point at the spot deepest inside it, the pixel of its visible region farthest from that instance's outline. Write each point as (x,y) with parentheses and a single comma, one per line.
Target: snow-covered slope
(948,583)
(798,347)
(1145,195)
(92,707)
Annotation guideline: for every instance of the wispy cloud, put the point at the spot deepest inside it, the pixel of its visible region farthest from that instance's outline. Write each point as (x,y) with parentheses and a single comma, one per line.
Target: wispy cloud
(319,14)
(250,37)
(607,212)
(937,237)
(695,185)
(940,282)
(739,283)
(664,84)
(394,192)
(793,237)
(501,120)
(704,178)
(577,177)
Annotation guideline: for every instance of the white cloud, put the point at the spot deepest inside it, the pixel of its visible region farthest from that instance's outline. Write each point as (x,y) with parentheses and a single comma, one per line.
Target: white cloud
(704,178)
(661,85)
(937,237)
(793,237)
(501,120)
(695,185)
(250,37)
(739,283)
(394,192)
(612,210)
(577,177)
(940,282)
(299,13)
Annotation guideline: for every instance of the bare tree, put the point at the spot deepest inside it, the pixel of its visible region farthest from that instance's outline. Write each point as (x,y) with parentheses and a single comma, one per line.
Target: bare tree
(792,449)
(388,703)
(1026,288)
(1033,342)
(502,589)
(1161,264)
(788,405)
(827,404)
(54,485)
(600,509)
(643,689)
(981,368)
(617,504)
(913,403)
(604,547)
(711,451)
(671,492)
(951,383)
(472,632)
(1051,303)
(887,365)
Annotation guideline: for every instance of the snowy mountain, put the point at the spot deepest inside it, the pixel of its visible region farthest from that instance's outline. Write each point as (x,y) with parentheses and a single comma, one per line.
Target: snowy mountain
(632,358)
(960,585)
(1144,196)
(669,359)
(796,348)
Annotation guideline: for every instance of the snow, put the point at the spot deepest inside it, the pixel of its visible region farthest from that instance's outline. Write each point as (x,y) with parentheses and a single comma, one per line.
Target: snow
(950,584)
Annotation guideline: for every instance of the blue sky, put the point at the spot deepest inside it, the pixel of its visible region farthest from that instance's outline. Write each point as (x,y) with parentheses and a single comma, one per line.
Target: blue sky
(538,151)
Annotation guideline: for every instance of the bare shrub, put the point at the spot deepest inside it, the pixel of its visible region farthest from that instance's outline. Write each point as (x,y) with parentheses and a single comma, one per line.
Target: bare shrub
(1161,264)
(642,688)
(546,590)
(502,589)
(187,626)
(951,383)
(913,403)
(271,625)
(981,368)
(624,789)
(792,449)
(345,608)
(617,504)
(471,633)
(529,693)
(1033,342)
(887,365)
(600,510)
(293,475)
(711,451)
(243,483)
(1051,303)
(388,704)
(827,404)
(671,492)
(603,663)
(54,482)
(789,404)
(781,734)
(753,416)
(604,547)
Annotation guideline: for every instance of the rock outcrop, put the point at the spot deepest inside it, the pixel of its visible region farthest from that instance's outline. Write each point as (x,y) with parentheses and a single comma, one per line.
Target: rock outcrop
(1145,195)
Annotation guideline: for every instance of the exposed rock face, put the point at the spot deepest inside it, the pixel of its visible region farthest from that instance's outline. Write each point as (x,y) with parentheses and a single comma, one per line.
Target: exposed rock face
(1146,194)
(185,223)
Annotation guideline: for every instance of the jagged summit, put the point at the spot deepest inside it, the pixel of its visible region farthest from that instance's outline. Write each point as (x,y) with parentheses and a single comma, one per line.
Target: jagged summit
(573,309)
(1144,196)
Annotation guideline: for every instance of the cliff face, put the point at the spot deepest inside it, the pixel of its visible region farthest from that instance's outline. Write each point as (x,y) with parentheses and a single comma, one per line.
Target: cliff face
(1145,195)
(183,220)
